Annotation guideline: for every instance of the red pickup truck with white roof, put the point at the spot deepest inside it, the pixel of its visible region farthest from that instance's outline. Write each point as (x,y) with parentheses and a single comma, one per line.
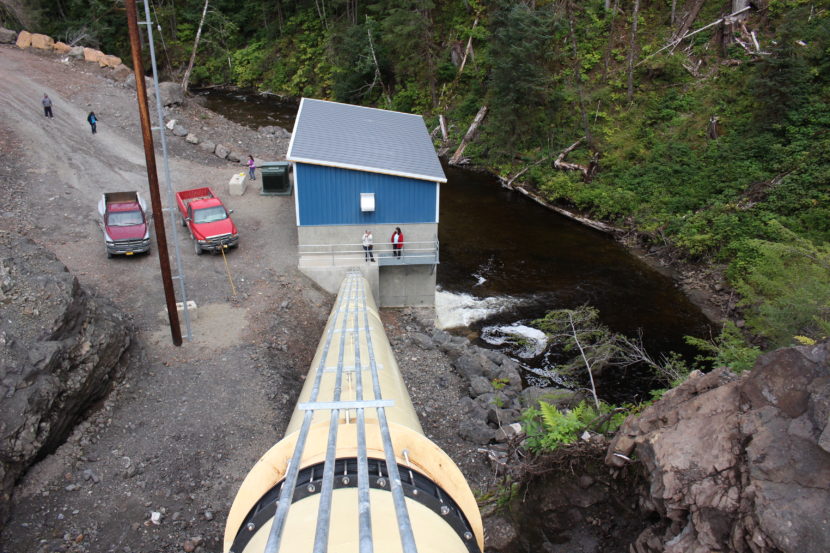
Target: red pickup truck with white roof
(207,218)
(124,222)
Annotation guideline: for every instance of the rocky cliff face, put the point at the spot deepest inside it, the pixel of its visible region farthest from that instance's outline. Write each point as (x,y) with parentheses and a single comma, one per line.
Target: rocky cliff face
(738,463)
(60,349)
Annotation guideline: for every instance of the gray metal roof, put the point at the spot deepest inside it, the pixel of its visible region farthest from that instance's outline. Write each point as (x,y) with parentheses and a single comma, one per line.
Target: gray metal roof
(365,139)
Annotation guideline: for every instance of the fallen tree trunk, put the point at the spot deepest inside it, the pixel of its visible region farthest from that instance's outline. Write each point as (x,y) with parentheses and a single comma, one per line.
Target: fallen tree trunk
(469,136)
(586,170)
(597,225)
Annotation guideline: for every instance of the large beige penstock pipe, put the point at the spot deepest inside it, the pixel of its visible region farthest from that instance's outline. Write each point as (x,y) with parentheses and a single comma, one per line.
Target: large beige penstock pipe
(440,506)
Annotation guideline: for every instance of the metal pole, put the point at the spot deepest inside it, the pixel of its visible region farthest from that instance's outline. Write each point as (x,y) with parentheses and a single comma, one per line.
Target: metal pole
(152,176)
(166,165)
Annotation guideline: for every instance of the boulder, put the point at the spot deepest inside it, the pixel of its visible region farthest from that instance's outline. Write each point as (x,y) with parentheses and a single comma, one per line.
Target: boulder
(93,55)
(192,138)
(472,409)
(61,351)
(480,385)
(76,52)
(207,146)
(42,42)
(122,73)
(221,151)
(736,463)
(109,61)
(24,39)
(7,36)
(171,93)
(179,130)
(236,157)
(501,534)
(477,432)
(422,341)
(275,131)
(441,337)
(469,365)
(130,82)
(61,47)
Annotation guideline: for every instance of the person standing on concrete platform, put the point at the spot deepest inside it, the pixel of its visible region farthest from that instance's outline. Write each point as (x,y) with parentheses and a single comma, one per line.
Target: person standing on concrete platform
(397,242)
(368,245)
(93,121)
(47,106)
(251,167)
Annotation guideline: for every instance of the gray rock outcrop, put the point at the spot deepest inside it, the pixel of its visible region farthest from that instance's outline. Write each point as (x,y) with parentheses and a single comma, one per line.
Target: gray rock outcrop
(7,36)
(738,464)
(60,351)
(180,130)
(171,94)
(221,151)
(275,131)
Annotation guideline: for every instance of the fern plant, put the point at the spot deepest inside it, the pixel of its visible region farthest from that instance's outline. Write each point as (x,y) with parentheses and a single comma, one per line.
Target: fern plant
(548,428)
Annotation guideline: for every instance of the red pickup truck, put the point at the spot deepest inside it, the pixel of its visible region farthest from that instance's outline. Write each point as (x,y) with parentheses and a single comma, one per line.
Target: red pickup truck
(124,222)
(210,223)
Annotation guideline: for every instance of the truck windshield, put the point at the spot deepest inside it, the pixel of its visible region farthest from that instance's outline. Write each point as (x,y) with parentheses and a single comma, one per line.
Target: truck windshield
(125,218)
(210,214)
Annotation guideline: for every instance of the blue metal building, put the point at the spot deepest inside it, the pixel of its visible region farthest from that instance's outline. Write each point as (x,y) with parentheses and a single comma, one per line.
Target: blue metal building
(357,169)
(341,151)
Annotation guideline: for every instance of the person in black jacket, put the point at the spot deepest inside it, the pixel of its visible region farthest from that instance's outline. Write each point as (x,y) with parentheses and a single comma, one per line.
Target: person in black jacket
(93,121)
(47,106)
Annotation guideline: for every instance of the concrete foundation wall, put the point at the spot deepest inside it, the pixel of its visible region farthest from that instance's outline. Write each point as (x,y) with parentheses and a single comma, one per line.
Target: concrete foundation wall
(392,285)
(407,285)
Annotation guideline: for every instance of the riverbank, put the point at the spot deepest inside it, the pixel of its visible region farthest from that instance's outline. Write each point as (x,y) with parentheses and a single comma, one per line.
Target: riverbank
(704,285)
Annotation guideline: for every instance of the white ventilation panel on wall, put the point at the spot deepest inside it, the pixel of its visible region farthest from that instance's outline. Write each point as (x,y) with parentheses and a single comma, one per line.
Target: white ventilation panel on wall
(367,201)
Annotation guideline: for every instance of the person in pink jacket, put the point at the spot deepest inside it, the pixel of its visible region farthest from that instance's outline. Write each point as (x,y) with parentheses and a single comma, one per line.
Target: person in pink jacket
(251,167)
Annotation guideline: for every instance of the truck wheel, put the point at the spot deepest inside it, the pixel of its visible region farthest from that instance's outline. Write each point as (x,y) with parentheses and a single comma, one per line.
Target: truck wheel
(199,249)
(109,255)
(184,222)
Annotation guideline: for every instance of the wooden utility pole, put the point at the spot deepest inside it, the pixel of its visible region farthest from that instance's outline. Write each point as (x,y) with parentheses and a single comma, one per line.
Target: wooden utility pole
(152,174)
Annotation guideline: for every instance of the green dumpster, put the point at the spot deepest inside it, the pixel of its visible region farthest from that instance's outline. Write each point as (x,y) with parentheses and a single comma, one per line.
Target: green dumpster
(276,180)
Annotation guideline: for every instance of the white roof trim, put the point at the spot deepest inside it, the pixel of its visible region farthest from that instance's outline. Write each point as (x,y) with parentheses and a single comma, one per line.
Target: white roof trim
(294,130)
(430,178)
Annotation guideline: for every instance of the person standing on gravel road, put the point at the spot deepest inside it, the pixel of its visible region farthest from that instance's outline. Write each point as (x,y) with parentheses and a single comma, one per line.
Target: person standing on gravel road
(251,167)
(93,121)
(47,106)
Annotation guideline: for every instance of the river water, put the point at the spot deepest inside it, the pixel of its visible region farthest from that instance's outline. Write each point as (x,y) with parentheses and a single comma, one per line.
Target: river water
(506,261)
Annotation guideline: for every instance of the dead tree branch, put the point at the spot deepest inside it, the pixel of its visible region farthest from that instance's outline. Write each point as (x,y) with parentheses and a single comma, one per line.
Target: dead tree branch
(469,136)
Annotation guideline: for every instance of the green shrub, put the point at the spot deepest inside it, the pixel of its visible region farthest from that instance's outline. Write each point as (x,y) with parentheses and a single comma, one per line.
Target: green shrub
(730,349)
(786,288)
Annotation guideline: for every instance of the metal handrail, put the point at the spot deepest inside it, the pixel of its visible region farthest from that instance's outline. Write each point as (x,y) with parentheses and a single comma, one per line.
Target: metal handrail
(420,250)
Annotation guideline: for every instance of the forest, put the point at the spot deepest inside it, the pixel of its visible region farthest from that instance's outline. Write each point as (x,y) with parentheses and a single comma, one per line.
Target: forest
(699,126)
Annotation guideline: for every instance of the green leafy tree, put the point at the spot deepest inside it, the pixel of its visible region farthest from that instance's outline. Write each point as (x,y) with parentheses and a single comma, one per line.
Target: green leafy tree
(518,92)
(786,288)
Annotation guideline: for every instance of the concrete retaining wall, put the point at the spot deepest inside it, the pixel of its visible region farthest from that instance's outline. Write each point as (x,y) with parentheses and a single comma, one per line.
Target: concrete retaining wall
(407,285)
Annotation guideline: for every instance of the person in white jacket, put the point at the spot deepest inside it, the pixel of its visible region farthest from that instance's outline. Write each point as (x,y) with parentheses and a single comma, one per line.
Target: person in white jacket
(368,245)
